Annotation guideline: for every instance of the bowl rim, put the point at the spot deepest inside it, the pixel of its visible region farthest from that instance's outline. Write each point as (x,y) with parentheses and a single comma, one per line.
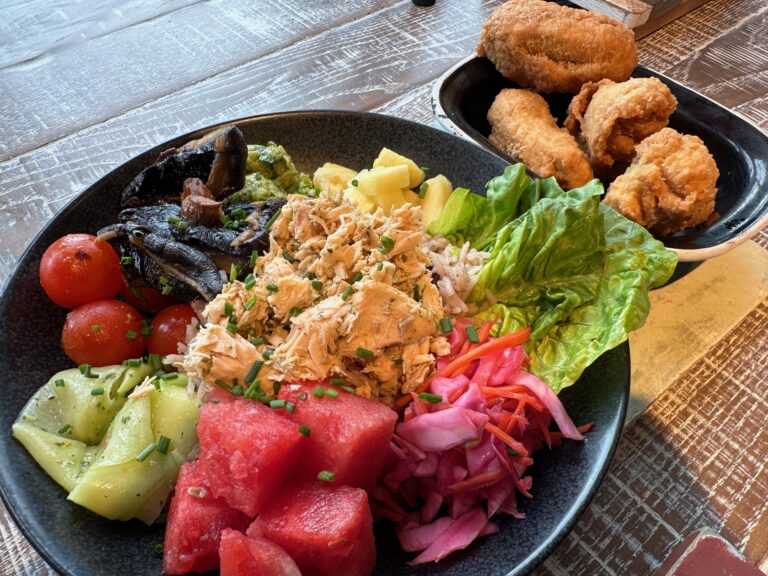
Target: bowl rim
(683,254)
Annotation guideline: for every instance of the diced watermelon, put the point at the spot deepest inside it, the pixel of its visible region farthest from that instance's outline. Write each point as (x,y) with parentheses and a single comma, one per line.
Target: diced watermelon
(246,451)
(195,522)
(327,529)
(349,435)
(245,556)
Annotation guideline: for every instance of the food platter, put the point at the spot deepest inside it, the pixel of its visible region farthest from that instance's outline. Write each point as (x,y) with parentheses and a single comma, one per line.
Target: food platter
(462,97)
(76,542)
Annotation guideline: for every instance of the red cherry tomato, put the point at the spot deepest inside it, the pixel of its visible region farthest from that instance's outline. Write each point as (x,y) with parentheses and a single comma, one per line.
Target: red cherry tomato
(146,298)
(102,333)
(77,269)
(169,328)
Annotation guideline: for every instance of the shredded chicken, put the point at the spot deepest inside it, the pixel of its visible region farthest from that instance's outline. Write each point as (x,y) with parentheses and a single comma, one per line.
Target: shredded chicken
(341,294)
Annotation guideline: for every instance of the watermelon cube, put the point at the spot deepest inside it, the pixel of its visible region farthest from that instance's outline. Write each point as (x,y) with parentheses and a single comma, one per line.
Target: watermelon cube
(247,450)
(349,435)
(327,529)
(195,523)
(244,556)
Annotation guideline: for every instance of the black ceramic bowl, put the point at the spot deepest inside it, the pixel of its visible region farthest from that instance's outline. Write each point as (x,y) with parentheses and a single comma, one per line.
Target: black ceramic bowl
(78,543)
(462,97)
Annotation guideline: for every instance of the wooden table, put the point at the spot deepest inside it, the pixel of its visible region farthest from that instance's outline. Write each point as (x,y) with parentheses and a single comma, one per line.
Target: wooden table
(86,86)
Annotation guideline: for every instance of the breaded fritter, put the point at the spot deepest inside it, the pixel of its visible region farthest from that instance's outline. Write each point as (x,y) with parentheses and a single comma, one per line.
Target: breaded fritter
(522,127)
(610,119)
(669,186)
(552,48)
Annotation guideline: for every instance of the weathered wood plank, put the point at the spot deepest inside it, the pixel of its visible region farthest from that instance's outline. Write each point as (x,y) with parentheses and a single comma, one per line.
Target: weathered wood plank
(30,28)
(56,94)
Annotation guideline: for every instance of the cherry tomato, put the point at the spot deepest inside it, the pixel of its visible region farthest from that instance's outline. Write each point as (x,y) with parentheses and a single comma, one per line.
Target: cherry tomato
(169,328)
(146,298)
(77,269)
(103,332)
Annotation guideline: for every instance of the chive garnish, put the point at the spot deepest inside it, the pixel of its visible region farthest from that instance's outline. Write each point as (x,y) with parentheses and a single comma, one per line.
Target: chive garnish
(295,311)
(398,362)
(277,403)
(331,393)
(290,407)
(267,354)
(272,220)
(251,303)
(317,285)
(146,328)
(233,272)
(417,293)
(446,326)
(386,244)
(144,454)
(126,260)
(257,341)
(232,327)
(357,277)
(338,381)
(254,257)
(250,392)
(131,335)
(155,362)
(254,371)
(166,290)
(311,276)
(85,370)
(472,334)
(512,452)
(228,309)
(237,390)
(346,293)
(424,169)
(272,287)
(98,391)
(303,430)
(167,376)
(429,397)
(354,182)
(95,328)
(64,429)
(348,388)
(249,282)
(326,476)
(380,266)
(132,363)
(276,386)
(288,256)
(162,444)
(59,383)
(364,353)
(159,549)
(423,189)
(318,392)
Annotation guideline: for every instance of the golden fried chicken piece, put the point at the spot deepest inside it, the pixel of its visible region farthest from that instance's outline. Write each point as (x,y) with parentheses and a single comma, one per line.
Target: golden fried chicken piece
(552,48)
(522,127)
(610,119)
(670,184)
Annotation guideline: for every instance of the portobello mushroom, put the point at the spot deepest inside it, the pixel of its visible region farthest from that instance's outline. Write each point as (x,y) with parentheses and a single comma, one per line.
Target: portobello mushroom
(218,159)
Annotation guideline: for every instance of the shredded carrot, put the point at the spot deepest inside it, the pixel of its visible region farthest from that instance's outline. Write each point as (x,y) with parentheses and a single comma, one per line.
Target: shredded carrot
(507,439)
(485,330)
(419,406)
(511,339)
(479,481)
(504,419)
(491,391)
(458,392)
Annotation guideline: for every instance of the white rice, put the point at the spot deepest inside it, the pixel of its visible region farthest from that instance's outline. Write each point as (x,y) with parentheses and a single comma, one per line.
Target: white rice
(457,269)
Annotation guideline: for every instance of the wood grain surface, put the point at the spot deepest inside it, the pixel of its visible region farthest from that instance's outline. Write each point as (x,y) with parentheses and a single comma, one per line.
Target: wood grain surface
(85,86)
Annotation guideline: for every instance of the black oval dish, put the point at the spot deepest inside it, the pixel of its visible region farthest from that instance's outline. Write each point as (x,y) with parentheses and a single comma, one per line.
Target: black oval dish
(78,543)
(462,97)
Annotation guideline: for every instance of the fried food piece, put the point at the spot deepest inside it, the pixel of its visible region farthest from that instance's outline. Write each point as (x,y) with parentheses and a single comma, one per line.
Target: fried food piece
(552,48)
(670,184)
(610,119)
(522,127)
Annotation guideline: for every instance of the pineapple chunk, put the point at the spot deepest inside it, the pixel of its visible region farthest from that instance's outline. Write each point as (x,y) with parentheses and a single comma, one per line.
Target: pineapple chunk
(384,186)
(438,190)
(412,197)
(388,157)
(332,178)
(364,203)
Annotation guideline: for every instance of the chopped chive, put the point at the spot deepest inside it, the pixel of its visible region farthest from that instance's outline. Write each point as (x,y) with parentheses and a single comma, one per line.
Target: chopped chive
(304,431)
(163,281)
(59,383)
(232,327)
(276,386)
(317,285)
(167,376)
(326,476)
(132,363)
(216,401)
(159,549)
(357,277)
(267,354)
(423,189)
(237,390)
(272,220)
(364,353)
(146,328)
(85,370)
(424,169)
(346,293)
(338,381)
(95,328)
(249,282)
(303,395)
(250,392)
(272,287)
(98,391)
(126,260)
(295,311)
(257,341)
(254,371)
(233,272)
(417,293)
(354,182)
(386,244)
(144,454)
(398,362)
(512,452)
(251,303)
(311,276)
(166,290)
(288,256)
(155,362)
(380,266)
(253,258)
(64,429)
(472,334)
(131,335)
(331,393)
(318,392)
(446,326)
(136,292)
(228,309)
(429,397)
(162,444)
(277,403)
(348,388)
(290,407)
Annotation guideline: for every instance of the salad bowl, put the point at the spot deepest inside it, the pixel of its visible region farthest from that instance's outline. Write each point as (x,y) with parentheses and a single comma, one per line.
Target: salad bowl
(76,542)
